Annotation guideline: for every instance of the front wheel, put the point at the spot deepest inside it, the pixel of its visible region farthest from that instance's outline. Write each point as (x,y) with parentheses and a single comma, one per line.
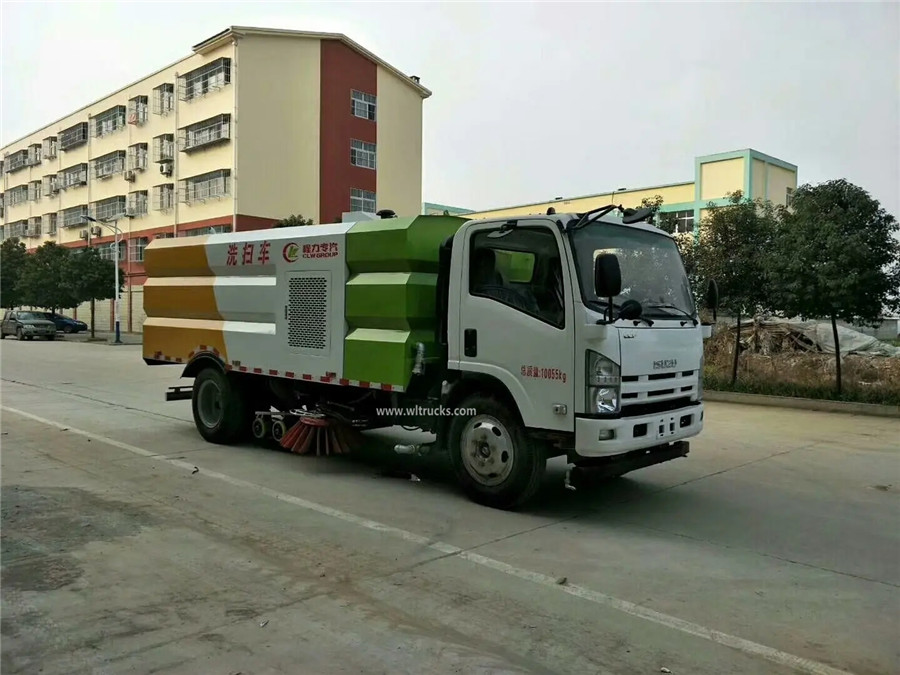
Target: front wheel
(496,462)
(20,334)
(220,409)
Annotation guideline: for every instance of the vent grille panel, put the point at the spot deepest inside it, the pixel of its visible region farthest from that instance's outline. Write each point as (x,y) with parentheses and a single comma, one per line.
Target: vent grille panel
(308,313)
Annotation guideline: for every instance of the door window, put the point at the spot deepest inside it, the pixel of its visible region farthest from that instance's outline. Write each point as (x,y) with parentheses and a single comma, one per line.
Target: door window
(521,269)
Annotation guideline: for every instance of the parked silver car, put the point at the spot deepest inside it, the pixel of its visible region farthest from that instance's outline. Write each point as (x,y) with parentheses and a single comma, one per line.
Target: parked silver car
(27,325)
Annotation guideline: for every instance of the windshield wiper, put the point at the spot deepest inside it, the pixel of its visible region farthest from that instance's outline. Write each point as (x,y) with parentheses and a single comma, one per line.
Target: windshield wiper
(666,305)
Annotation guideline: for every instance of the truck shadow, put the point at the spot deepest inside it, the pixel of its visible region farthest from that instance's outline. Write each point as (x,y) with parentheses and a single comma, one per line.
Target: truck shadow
(434,471)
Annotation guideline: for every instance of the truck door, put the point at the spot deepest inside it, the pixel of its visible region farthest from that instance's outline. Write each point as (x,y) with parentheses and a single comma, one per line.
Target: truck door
(515,317)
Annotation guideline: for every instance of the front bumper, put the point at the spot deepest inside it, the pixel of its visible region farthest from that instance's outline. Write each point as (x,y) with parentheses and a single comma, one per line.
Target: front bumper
(635,433)
(36,331)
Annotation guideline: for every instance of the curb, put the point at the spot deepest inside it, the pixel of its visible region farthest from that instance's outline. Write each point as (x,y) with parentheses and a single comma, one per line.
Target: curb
(821,405)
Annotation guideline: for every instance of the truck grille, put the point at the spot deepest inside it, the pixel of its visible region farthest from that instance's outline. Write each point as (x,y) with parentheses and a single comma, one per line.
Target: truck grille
(657,392)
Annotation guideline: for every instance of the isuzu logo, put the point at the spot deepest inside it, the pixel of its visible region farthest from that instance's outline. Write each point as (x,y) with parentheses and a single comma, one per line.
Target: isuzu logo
(628,336)
(662,364)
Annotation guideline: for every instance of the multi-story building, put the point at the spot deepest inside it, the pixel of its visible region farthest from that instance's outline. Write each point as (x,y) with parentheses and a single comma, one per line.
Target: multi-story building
(255,125)
(755,174)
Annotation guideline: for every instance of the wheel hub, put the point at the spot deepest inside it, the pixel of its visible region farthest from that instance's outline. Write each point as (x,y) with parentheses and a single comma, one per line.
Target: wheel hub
(487,450)
(209,404)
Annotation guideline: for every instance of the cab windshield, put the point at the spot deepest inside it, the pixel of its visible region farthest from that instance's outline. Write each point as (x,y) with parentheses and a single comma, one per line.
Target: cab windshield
(652,270)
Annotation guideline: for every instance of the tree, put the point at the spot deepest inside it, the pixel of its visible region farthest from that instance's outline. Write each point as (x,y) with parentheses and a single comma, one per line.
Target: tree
(836,257)
(13,256)
(295,220)
(734,249)
(92,278)
(45,282)
(664,221)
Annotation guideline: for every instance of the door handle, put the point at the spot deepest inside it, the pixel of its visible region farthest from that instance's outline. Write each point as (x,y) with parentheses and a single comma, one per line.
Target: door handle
(470,342)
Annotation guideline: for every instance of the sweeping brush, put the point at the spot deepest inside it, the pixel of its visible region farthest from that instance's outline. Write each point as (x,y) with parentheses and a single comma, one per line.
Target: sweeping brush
(319,434)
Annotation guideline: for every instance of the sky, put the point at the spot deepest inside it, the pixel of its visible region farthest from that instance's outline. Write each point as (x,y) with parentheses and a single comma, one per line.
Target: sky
(536,100)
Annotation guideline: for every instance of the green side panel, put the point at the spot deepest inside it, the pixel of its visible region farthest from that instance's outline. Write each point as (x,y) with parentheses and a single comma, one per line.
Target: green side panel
(382,356)
(391,300)
(390,295)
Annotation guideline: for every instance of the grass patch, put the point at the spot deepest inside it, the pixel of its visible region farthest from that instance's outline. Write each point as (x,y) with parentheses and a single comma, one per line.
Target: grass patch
(801,374)
(718,382)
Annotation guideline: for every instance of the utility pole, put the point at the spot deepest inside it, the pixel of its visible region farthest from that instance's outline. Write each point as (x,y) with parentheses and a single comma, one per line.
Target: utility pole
(112,224)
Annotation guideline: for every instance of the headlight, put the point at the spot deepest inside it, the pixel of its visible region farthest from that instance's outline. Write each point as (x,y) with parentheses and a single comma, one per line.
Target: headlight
(603,380)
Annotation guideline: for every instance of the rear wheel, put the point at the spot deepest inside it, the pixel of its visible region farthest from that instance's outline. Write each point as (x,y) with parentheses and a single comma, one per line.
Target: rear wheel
(496,462)
(68,329)
(220,408)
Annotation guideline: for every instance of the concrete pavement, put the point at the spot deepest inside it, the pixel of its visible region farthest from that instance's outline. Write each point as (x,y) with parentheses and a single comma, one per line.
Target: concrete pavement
(771,549)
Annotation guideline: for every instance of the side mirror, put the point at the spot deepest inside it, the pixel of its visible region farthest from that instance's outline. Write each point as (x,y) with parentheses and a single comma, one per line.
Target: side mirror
(636,215)
(712,297)
(607,276)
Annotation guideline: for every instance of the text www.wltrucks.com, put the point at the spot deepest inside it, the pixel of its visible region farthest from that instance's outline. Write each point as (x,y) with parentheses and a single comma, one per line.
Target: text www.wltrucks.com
(424,411)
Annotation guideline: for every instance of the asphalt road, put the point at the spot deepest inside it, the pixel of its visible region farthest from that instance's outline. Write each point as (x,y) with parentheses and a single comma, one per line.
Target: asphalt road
(131,546)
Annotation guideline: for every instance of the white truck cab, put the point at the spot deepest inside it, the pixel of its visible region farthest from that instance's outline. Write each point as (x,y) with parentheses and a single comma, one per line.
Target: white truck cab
(589,324)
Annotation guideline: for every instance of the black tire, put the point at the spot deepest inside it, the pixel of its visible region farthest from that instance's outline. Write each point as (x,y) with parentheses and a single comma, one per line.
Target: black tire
(68,329)
(19,334)
(510,473)
(51,337)
(225,418)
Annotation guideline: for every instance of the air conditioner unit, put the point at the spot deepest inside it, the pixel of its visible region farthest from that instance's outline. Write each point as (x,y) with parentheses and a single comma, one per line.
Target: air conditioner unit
(130,176)
(83,234)
(96,231)
(165,169)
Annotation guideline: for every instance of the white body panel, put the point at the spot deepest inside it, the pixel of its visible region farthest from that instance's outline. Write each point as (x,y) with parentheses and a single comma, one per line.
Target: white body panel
(533,359)
(256,330)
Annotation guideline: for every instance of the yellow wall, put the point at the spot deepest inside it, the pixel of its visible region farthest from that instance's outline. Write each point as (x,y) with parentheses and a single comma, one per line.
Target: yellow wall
(671,194)
(201,161)
(399,146)
(758,179)
(719,178)
(778,180)
(278,126)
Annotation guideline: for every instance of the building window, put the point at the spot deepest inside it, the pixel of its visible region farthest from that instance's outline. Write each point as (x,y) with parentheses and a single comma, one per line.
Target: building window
(50,185)
(17,160)
(362,105)
(48,147)
(164,197)
(34,154)
(164,148)
(34,191)
(18,229)
(788,196)
(17,195)
(362,200)
(112,208)
(163,235)
(684,220)
(212,185)
(50,223)
(109,121)
(207,132)
(212,229)
(2,205)
(73,136)
(164,99)
(109,164)
(136,248)
(137,157)
(362,154)
(137,203)
(204,80)
(73,176)
(138,110)
(74,216)
(108,251)
(34,227)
